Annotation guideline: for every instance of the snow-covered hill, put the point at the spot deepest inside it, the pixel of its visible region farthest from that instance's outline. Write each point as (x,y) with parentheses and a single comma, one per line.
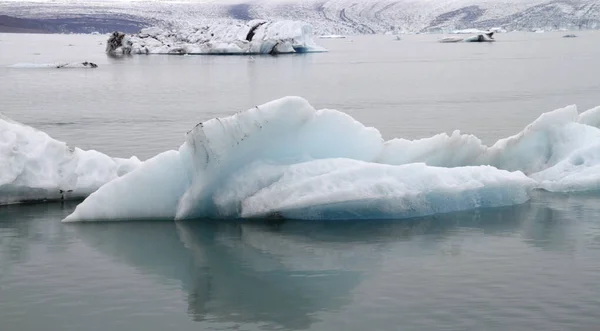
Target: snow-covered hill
(329,16)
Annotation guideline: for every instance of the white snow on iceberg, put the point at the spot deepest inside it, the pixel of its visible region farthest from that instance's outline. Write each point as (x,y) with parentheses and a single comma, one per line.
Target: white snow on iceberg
(253,37)
(35,167)
(286,159)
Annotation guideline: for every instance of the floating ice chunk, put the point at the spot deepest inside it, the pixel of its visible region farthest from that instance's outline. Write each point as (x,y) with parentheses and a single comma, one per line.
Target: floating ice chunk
(285,158)
(34,166)
(469,31)
(85,64)
(332,36)
(253,37)
(479,38)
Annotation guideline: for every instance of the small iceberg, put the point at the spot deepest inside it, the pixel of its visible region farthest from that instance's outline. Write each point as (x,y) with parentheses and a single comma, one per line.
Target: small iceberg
(85,65)
(469,31)
(332,36)
(253,37)
(571,35)
(484,37)
(35,167)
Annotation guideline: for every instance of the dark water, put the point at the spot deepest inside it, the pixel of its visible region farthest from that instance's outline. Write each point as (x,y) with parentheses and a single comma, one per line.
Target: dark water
(528,267)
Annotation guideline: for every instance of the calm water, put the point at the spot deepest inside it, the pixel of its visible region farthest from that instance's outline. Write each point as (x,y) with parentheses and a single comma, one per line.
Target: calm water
(534,266)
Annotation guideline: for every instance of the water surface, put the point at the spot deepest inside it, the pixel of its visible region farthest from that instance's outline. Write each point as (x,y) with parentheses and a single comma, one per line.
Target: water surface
(533,266)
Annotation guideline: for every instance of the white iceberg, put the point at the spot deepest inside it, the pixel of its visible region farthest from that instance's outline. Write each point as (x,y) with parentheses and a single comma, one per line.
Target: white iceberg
(253,37)
(35,167)
(479,31)
(286,159)
(332,36)
(486,37)
(469,31)
(85,64)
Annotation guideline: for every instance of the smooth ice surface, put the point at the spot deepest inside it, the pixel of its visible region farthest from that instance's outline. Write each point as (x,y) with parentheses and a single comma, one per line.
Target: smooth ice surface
(33,166)
(286,159)
(253,37)
(351,189)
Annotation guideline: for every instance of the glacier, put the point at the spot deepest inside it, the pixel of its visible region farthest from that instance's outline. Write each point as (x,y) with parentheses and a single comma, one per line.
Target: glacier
(285,159)
(35,167)
(253,37)
(342,17)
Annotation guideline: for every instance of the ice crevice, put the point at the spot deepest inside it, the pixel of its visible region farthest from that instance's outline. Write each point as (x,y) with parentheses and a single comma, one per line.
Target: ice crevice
(287,159)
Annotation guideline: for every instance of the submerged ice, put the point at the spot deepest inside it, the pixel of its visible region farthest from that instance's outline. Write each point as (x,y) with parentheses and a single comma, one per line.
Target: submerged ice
(253,37)
(34,167)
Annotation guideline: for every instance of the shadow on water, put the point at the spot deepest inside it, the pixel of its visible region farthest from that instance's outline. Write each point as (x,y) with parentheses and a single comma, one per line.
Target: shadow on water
(283,273)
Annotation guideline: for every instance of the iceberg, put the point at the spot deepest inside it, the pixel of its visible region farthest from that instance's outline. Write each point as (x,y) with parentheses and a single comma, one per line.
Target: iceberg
(332,36)
(253,37)
(35,167)
(85,64)
(284,159)
(469,31)
(480,38)
(478,31)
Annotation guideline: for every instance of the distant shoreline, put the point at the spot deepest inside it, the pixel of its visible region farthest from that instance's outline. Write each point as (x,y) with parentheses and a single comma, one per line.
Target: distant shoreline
(80,25)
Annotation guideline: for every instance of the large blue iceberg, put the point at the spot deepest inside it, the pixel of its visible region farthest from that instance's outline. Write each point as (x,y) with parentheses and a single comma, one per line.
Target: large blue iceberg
(284,159)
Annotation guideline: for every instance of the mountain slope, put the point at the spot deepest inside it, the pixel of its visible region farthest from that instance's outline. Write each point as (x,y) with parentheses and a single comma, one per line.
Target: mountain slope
(329,16)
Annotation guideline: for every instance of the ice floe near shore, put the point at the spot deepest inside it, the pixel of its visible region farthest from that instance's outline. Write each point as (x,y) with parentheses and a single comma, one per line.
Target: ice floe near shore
(284,159)
(35,167)
(253,37)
